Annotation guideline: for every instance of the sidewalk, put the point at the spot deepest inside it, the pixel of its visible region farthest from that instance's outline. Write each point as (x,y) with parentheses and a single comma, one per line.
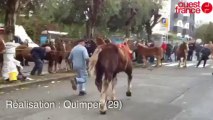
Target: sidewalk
(36,80)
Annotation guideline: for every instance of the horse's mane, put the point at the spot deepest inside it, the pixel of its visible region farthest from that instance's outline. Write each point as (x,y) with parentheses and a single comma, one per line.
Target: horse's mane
(107,41)
(183,46)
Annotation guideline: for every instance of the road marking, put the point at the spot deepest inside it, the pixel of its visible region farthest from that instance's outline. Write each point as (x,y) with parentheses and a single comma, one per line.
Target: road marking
(188,65)
(172,64)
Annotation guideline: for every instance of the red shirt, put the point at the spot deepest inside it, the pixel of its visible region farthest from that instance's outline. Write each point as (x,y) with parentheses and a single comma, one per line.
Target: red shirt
(164,46)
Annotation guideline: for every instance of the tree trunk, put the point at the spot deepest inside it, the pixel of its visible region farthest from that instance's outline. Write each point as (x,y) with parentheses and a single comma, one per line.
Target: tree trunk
(149,37)
(10,18)
(89,30)
(128,23)
(128,31)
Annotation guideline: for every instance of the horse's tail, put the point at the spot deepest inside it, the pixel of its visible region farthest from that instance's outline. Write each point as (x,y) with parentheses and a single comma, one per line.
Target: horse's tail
(93,61)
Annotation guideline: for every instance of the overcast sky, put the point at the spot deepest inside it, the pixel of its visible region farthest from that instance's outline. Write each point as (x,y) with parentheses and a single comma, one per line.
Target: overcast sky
(202,16)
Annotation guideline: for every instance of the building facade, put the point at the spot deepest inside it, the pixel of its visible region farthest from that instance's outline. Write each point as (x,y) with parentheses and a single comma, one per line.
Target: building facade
(183,25)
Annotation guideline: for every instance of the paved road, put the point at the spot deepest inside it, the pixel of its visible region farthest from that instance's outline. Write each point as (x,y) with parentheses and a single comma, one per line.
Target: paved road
(167,93)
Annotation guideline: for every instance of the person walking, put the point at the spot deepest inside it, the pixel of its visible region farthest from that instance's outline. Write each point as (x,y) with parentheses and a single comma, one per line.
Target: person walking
(169,52)
(204,55)
(164,47)
(198,48)
(80,59)
(175,51)
(38,55)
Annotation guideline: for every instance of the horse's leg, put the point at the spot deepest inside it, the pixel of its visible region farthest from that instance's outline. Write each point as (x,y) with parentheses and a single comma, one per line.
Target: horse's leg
(67,64)
(114,83)
(1,65)
(185,62)
(129,73)
(158,62)
(50,66)
(103,106)
(179,62)
(59,62)
(144,61)
(56,66)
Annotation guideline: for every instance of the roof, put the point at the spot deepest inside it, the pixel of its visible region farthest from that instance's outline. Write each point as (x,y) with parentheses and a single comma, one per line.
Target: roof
(54,32)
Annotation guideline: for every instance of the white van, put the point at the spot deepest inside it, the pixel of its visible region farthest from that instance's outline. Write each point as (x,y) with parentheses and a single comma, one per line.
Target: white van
(22,37)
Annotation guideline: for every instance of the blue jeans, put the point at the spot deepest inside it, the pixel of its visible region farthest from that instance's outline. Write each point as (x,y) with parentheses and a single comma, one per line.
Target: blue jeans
(82,77)
(38,67)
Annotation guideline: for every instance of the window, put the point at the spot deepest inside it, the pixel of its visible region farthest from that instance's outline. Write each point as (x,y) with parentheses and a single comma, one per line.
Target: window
(179,23)
(186,26)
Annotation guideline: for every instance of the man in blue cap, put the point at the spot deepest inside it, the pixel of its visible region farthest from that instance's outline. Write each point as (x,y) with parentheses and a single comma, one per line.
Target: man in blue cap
(80,58)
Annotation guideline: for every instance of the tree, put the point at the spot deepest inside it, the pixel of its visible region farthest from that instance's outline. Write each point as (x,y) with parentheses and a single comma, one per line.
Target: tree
(208,35)
(12,8)
(135,15)
(204,32)
(10,18)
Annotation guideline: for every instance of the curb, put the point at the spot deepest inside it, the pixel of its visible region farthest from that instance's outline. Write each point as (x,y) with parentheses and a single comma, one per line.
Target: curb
(34,82)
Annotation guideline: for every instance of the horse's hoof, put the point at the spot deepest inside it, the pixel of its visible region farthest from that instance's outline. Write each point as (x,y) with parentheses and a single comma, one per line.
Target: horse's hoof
(102,112)
(128,94)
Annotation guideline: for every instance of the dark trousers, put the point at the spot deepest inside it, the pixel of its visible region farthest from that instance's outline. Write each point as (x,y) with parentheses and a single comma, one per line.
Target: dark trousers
(169,57)
(152,59)
(198,56)
(37,67)
(190,56)
(204,58)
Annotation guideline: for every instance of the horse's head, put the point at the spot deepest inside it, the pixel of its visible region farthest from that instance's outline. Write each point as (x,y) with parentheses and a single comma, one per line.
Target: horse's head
(60,45)
(126,46)
(100,41)
(183,47)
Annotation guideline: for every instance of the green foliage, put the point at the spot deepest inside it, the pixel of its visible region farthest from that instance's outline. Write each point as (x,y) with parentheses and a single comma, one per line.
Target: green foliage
(204,32)
(68,16)
(144,13)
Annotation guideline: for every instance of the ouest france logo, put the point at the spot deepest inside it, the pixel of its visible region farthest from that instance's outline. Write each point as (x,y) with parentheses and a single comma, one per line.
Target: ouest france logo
(193,7)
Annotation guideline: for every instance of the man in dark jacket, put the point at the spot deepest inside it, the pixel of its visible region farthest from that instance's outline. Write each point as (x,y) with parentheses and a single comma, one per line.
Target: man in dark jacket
(204,55)
(175,51)
(198,48)
(169,52)
(38,55)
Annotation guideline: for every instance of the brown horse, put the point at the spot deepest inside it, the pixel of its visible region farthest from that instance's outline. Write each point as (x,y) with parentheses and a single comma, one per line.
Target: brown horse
(182,52)
(150,51)
(63,49)
(51,56)
(2,48)
(23,54)
(110,61)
